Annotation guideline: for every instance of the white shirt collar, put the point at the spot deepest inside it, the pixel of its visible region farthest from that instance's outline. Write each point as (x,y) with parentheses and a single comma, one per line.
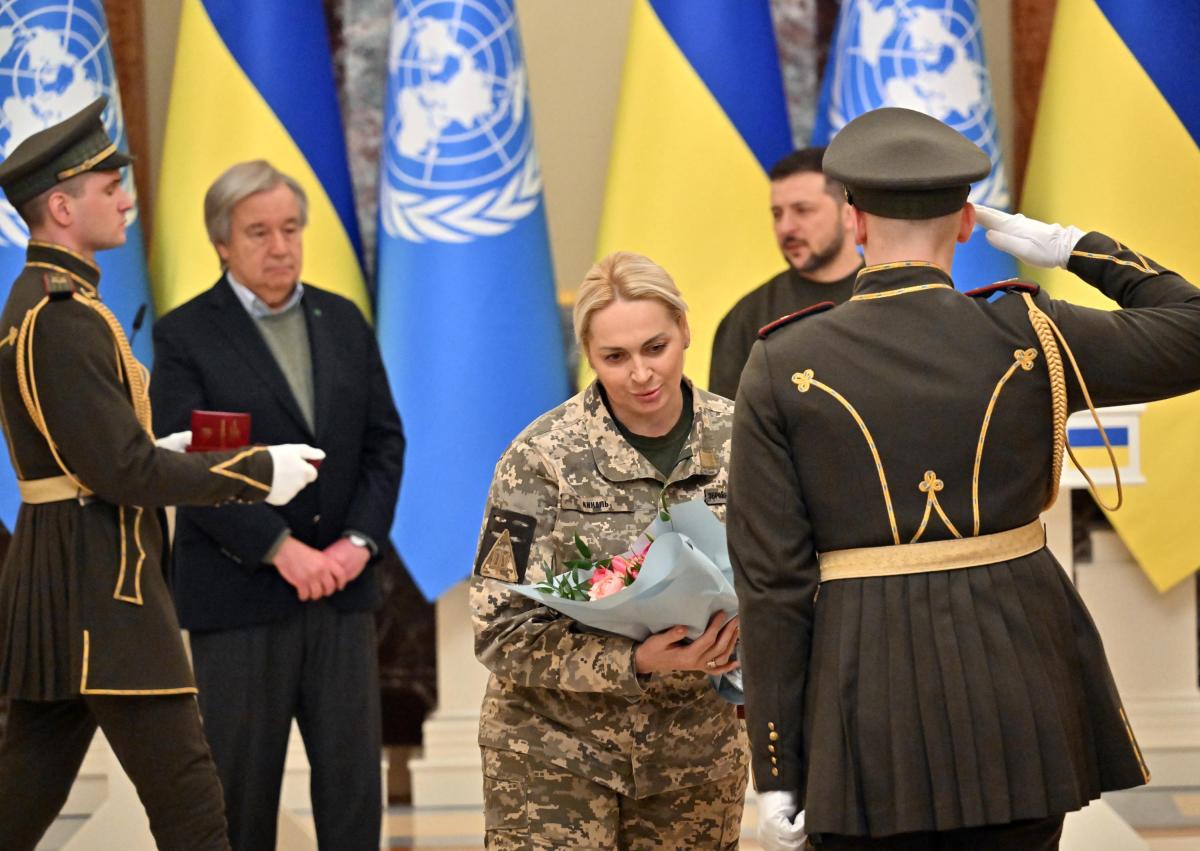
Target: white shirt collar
(255,306)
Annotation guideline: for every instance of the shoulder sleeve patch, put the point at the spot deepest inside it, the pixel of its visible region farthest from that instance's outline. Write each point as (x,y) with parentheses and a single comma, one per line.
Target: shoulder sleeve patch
(819,307)
(1011,285)
(504,546)
(58,285)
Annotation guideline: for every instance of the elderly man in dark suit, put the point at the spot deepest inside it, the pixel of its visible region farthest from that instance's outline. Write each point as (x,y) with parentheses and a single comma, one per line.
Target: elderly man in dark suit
(280,602)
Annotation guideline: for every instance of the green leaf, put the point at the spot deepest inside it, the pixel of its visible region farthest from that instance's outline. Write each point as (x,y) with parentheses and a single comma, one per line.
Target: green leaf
(664,517)
(582,547)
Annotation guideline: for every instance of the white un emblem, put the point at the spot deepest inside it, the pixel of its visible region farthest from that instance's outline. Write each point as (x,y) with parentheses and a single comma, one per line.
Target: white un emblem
(925,55)
(54,60)
(458,141)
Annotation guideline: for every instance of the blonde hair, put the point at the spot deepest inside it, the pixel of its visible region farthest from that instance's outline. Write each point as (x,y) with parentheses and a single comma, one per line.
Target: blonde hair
(624,276)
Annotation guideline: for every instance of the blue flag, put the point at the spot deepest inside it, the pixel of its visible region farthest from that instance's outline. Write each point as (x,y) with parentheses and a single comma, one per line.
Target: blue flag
(925,55)
(467,318)
(55,59)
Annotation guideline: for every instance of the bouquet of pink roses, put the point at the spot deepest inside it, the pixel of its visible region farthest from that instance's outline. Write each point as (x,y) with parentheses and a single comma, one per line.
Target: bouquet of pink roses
(676,573)
(603,576)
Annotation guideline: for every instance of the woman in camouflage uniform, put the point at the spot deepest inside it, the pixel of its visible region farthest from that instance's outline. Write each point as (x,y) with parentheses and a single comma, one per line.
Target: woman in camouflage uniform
(590,739)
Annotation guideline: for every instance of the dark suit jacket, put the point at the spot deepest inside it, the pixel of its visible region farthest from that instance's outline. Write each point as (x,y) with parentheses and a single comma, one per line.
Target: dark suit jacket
(210,355)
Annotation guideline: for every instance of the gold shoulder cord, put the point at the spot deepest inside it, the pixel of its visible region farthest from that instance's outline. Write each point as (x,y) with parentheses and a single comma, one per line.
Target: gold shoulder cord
(1046,332)
(132,373)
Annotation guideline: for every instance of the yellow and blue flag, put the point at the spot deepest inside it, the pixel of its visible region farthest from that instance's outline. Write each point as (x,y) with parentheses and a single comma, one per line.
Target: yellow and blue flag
(55,59)
(467,319)
(1116,148)
(701,118)
(253,80)
(925,55)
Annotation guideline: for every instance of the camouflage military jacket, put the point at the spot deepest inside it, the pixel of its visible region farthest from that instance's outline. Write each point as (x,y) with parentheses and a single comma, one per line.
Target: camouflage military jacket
(559,690)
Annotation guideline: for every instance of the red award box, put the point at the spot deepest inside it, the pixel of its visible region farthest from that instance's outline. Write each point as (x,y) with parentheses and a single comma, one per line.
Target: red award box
(216,430)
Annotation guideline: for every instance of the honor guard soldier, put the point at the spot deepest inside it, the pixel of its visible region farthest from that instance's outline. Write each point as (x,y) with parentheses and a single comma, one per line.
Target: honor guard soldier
(88,636)
(919,670)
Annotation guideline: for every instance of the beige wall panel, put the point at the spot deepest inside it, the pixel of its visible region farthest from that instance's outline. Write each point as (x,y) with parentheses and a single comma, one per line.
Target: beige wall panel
(574,50)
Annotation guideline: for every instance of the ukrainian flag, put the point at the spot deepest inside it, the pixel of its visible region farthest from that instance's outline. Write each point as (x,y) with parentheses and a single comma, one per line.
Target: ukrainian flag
(1116,148)
(701,118)
(253,80)
(55,59)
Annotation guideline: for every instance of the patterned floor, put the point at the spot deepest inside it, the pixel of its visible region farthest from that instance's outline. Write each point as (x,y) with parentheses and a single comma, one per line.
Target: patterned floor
(1167,818)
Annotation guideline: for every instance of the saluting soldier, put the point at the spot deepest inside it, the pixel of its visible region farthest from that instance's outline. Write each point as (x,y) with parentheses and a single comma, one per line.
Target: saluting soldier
(919,670)
(88,635)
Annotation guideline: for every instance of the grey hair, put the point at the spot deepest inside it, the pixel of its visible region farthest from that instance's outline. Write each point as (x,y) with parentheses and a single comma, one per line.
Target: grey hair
(238,183)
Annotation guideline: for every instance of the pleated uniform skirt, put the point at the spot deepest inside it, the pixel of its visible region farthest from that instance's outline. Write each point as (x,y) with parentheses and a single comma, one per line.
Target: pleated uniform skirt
(40,615)
(959,698)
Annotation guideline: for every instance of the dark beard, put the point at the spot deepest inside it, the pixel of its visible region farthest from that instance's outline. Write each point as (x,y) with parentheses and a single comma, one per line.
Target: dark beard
(818,260)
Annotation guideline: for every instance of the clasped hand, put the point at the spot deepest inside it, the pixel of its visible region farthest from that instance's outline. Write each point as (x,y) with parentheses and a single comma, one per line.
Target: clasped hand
(710,653)
(318,573)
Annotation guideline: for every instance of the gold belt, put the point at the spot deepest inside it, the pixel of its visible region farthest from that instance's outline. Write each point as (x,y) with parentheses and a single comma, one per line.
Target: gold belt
(53,489)
(931,556)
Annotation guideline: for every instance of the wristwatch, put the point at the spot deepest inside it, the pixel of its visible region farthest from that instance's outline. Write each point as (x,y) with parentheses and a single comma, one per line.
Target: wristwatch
(358,540)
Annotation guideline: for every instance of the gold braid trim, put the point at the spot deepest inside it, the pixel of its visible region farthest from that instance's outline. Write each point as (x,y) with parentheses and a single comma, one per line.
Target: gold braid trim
(132,373)
(804,381)
(1047,331)
(135,376)
(27,383)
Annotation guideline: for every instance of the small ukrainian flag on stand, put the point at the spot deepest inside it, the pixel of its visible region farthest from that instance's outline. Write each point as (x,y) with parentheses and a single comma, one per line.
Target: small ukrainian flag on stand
(1123,427)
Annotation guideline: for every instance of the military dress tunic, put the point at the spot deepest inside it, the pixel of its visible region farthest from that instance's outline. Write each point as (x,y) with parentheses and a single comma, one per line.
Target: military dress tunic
(559,691)
(913,412)
(84,607)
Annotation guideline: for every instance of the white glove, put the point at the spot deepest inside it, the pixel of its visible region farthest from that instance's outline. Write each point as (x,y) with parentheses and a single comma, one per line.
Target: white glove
(177,442)
(780,822)
(1029,240)
(292,470)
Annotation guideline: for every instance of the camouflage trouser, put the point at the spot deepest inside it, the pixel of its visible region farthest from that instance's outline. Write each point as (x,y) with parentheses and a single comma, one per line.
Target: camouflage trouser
(529,804)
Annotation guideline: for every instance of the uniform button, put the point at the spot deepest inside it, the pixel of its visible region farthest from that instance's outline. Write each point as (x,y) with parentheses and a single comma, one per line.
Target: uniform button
(316,519)
(774,772)
(770,725)
(771,748)
(773,736)
(774,761)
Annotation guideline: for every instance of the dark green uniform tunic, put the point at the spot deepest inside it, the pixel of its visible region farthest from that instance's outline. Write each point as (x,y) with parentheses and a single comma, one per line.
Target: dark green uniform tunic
(937,700)
(786,292)
(84,608)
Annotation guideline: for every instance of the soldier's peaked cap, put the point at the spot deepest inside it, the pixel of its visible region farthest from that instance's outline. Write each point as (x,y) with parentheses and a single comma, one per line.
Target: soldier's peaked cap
(73,146)
(903,164)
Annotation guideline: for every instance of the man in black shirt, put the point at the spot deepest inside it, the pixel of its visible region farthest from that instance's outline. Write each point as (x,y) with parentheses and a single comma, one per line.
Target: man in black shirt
(815,230)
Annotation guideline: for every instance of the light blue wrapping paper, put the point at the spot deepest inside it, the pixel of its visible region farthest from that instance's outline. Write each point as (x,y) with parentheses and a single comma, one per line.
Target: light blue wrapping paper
(686,579)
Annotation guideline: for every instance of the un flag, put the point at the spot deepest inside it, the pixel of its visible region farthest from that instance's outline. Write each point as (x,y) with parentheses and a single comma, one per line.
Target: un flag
(55,60)
(467,319)
(925,55)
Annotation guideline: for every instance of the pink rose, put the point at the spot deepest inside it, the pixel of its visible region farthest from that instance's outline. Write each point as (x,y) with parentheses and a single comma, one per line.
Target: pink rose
(620,565)
(604,583)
